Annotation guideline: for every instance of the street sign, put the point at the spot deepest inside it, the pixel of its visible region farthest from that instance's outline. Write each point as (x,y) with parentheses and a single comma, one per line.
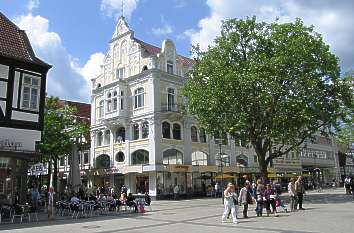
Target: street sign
(37,169)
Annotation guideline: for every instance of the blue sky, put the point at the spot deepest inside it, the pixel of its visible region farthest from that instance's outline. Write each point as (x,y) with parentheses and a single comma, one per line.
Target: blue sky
(73,35)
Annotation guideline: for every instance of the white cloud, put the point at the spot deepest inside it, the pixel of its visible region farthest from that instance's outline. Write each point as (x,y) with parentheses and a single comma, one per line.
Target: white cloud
(165,29)
(113,8)
(32,4)
(334,21)
(66,79)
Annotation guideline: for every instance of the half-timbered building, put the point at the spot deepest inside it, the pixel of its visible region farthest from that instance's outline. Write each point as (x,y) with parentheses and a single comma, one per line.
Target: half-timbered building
(22,97)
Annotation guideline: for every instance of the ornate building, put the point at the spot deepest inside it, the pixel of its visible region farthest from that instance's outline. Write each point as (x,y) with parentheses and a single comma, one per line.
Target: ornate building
(141,134)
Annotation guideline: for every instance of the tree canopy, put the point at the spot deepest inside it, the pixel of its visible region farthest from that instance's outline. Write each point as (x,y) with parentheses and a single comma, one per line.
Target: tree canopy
(271,85)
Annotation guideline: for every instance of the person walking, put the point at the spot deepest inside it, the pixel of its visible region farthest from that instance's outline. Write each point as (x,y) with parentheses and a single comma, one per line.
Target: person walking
(245,198)
(229,203)
(259,198)
(216,189)
(292,194)
(35,197)
(347,184)
(175,192)
(300,191)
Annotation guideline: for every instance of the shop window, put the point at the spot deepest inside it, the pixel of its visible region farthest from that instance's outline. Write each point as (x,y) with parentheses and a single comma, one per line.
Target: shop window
(166,131)
(145,129)
(120,134)
(4,162)
(135,132)
(199,158)
(120,157)
(2,186)
(172,156)
(176,131)
(194,134)
(202,135)
(140,157)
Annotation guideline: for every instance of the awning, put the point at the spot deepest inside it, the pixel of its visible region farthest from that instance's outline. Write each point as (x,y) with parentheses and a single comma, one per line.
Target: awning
(225,176)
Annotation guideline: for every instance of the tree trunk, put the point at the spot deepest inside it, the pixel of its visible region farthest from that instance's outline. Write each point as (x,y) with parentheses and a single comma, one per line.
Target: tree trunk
(55,177)
(49,171)
(263,167)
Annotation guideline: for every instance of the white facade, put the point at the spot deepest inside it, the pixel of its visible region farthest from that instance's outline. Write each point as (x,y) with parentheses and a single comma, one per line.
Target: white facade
(139,127)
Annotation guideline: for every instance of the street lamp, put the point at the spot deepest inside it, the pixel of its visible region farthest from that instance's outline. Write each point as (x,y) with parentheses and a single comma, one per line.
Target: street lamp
(219,141)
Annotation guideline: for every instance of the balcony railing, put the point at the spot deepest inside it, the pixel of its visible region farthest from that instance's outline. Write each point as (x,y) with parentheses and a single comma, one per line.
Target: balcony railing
(171,108)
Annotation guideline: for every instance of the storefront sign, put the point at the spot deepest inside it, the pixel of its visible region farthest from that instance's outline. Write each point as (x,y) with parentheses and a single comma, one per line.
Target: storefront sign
(133,169)
(180,168)
(208,169)
(9,145)
(37,169)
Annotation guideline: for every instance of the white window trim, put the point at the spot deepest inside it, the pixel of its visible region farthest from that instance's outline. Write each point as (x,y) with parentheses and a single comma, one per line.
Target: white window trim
(136,96)
(30,86)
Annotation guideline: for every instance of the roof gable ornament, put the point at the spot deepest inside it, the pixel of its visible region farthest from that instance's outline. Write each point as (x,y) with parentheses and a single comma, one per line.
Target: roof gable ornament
(121,28)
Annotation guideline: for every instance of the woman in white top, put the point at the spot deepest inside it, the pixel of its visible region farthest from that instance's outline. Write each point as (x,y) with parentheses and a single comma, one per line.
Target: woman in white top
(229,203)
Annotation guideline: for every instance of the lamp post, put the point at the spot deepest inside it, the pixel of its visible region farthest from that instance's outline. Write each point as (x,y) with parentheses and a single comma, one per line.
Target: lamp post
(219,142)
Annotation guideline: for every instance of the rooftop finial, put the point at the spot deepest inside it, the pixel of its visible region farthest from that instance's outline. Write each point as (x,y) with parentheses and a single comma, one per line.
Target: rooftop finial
(122,8)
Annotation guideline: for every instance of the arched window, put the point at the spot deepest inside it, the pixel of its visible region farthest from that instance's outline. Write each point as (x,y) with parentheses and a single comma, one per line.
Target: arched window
(135,132)
(139,98)
(166,131)
(202,135)
(145,129)
(100,109)
(171,99)
(242,160)
(120,157)
(103,161)
(176,131)
(224,159)
(140,157)
(172,156)
(199,158)
(115,101)
(145,68)
(107,137)
(121,99)
(120,134)
(109,102)
(194,134)
(99,138)
(99,85)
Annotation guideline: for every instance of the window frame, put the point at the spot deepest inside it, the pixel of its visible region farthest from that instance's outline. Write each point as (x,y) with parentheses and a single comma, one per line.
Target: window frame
(170,67)
(139,94)
(173,131)
(31,87)
(164,129)
(171,96)
(145,129)
(194,134)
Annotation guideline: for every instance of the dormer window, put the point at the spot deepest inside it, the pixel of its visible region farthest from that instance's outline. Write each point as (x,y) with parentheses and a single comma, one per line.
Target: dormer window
(169,67)
(120,73)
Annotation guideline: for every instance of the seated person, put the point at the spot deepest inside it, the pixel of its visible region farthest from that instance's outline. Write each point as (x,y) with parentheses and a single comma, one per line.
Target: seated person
(131,202)
(123,199)
(147,199)
(74,200)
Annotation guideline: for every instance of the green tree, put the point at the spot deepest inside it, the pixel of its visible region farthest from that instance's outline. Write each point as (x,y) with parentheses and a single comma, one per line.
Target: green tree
(270,85)
(61,130)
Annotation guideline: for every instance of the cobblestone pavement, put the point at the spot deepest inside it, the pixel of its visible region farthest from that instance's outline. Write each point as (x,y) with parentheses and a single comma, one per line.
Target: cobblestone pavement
(330,211)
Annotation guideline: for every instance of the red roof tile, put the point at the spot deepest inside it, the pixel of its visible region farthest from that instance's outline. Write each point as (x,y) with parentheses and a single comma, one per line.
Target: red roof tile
(152,49)
(14,43)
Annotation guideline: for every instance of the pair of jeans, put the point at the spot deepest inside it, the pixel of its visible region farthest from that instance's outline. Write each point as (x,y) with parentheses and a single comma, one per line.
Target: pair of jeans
(293,203)
(300,197)
(259,208)
(245,210)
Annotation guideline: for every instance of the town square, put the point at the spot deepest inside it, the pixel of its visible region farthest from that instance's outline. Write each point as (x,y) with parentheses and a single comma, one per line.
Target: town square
(176,115)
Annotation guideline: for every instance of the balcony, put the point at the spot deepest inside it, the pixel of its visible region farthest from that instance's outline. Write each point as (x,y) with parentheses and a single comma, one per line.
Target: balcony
(172,108)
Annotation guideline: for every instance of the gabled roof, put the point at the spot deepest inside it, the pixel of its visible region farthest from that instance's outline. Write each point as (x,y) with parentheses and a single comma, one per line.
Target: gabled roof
(14,43)
(152,49)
